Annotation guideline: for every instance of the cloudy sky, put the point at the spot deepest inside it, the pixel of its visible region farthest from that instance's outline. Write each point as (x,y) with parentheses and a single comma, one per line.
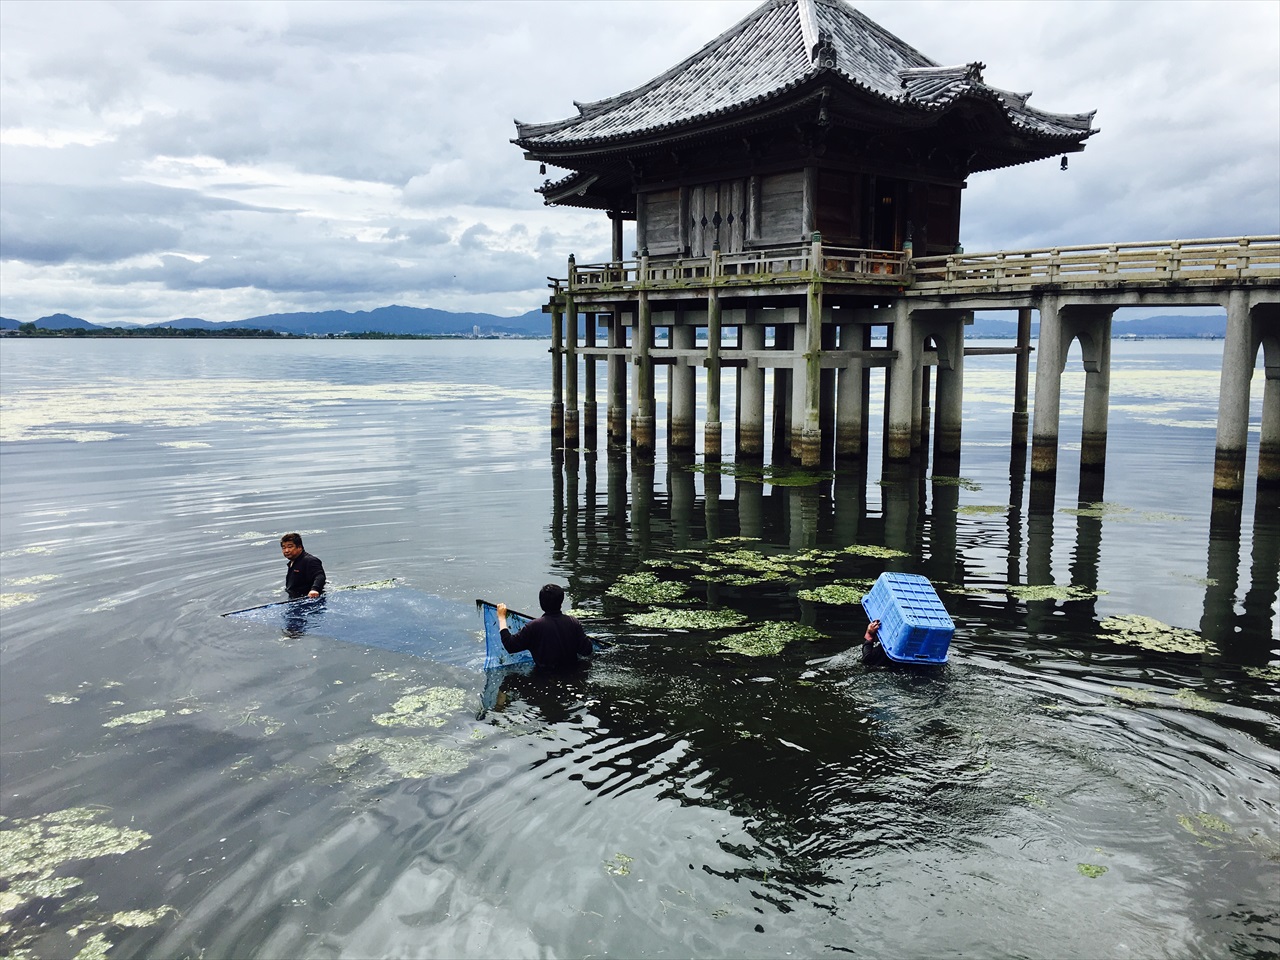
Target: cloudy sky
(231,159)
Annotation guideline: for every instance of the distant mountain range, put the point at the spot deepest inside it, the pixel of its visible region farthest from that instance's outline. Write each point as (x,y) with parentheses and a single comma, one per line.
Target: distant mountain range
(392,321)
(424,321)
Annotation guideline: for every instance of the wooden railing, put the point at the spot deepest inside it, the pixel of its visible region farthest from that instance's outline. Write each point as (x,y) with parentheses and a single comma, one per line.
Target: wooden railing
(781,262)
(1220,259)
(1153,261)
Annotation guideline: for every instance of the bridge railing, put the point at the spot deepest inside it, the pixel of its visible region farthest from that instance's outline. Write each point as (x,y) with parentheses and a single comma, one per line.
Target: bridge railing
(760,264)
(1173,260)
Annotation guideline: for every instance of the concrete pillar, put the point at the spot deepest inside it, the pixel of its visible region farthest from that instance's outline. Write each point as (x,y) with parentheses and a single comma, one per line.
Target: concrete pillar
(1095,344)
(1051,357)
(850,411)
(683,401)
(557,373)
(783,336)
(712,432)
(1022,378)
(590,433)
(950,390)
(798,395)
(919,391)
(827,404)
(616,417)
(750,440)
(901,408)
(1269,446)
(1238,353)
(642,425)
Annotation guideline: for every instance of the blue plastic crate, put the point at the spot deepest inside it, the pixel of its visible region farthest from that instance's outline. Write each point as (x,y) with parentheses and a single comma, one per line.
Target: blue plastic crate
(914,625)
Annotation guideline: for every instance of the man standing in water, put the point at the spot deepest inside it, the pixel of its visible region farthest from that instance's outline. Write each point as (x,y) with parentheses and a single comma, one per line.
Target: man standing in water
(555,639)
(305,576)
(873,654)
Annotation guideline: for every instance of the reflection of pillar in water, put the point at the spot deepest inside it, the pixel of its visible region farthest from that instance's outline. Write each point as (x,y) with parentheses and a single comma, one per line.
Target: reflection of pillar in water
(1260,620)
(899,494)
(681,487)
(1013,553)
(616,491)
(750,508)
(1040,567)
(849,505)
(641,504)
(750,440)
(616,417)
(943,562)
(711,484)
(571,518)
(802,503)
(557,504)
(1218,624)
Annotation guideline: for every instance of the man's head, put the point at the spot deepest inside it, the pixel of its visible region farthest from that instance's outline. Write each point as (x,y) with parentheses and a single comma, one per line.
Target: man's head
(550,598)
(291,545)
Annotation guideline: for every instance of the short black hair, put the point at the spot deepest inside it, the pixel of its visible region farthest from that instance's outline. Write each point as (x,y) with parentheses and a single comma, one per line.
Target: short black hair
(291,538)
(551,597)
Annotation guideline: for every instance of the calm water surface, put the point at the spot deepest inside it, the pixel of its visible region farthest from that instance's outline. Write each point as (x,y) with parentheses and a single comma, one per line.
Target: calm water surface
(180,784)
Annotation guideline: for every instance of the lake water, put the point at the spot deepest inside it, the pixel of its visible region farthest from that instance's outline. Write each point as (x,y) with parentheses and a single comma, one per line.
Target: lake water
(180,784)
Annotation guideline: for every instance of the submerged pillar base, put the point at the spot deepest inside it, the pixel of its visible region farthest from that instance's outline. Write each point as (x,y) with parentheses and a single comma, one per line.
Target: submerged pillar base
(642,436)
(1228,473)
(1044,456)
(810,448)
(557,420)
(712,438)
(1093,451)
(572,436)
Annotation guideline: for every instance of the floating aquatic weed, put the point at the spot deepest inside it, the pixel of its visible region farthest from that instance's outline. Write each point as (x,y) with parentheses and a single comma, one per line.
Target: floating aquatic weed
(733,540)
(8,600)
(1098,511)
(983,508)
(61,698)
(20,551)
(580,614)
(1195,701)
(1035,799)
(739,579)
(774,475)
(619,866)
(666,618)
(646,588)
(1205,821)
(837,593)
(34,851)
(1091,870)
(408,758)
(95,948)
(769,638)
(32,581)
(431,708)
(1134,695)
(873,550)
(1151,634)
(1050,591)
(136,719)
(141,918)
(186,444)
(1270,672)
(963,482)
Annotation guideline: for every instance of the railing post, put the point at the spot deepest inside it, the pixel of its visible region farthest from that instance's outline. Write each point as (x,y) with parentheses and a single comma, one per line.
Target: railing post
(1175,259)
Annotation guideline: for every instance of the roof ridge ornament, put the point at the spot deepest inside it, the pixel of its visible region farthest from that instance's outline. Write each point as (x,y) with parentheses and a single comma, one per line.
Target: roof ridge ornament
(809,28)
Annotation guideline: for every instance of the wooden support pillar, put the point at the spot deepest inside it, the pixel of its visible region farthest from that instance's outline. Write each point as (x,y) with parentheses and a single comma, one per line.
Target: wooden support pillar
(712,432)
(1051,357)
(1238,354)
(682,403)
(590,433)
(1269,444)
(950,402)
(750,439)
(900,410)
(557,372)
(616,217)
(783,335)
(850,411)
(642,423)
(1095,343)
(571,434)
(1022,378)
(827,405)
(616,415)
(811,431)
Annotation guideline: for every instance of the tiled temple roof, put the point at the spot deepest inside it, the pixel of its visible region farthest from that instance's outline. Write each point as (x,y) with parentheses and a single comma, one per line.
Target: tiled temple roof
(781,45)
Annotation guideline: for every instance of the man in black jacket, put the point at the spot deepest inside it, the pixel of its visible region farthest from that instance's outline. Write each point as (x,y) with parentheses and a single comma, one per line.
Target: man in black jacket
(305,576)
(555,639)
